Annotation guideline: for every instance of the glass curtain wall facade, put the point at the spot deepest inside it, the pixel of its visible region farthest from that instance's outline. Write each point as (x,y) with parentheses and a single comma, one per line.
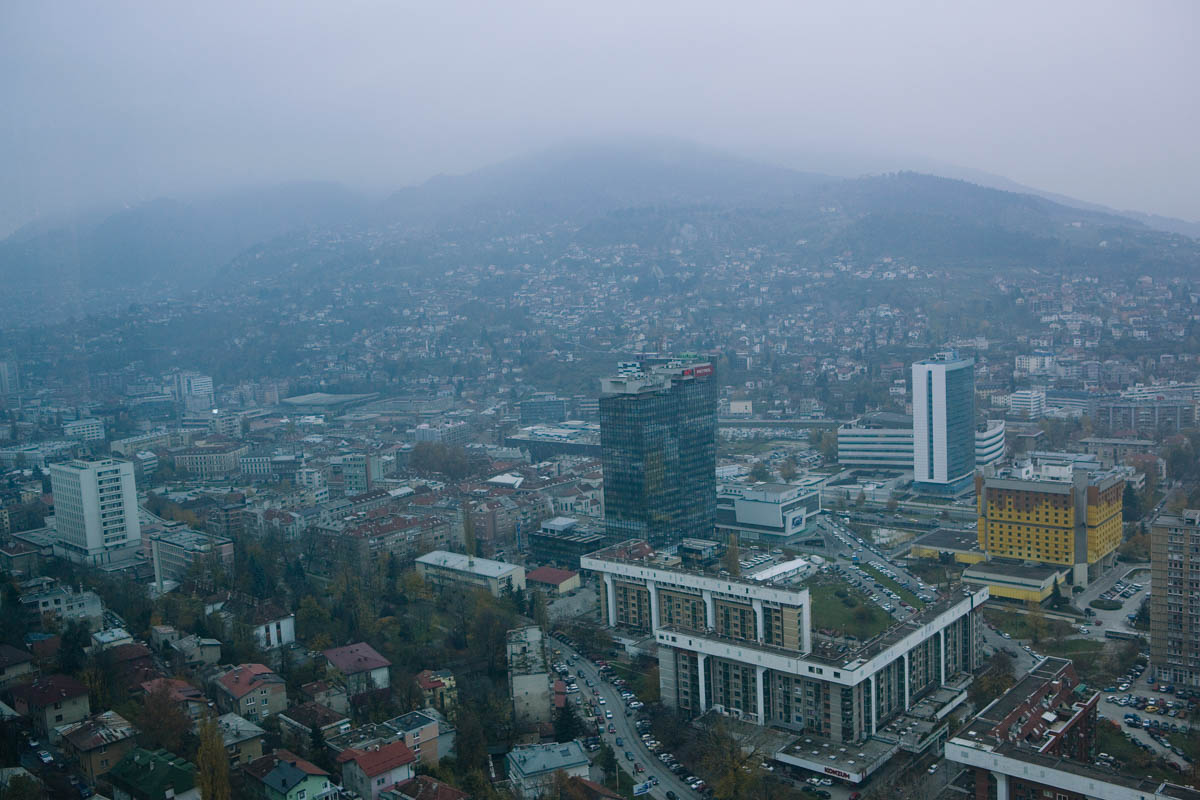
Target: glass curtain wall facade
(659,443)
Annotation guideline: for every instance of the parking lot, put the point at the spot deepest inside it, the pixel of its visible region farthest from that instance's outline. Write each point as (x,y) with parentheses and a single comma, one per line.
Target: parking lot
(861,553)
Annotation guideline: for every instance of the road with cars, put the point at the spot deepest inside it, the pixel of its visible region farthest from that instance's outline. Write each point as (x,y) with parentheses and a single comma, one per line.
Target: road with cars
(623,725)
(845,543)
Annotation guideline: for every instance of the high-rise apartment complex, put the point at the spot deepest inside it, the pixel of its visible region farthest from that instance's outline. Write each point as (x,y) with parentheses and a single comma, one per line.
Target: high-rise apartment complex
(749,647)
(658,436)
(95,510)
(1055,512)
(1175,601)
(943,424)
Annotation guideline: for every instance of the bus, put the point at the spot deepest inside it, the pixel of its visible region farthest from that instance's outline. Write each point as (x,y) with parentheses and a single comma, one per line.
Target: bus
(1111,634)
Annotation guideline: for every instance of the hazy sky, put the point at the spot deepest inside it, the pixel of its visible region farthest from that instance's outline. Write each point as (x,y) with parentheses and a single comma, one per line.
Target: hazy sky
(114,101)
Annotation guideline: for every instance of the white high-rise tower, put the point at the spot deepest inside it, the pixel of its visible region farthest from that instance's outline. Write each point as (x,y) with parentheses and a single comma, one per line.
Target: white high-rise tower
(95,510)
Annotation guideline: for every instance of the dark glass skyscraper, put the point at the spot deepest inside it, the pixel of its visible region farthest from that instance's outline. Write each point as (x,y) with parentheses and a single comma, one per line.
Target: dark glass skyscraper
(658,434)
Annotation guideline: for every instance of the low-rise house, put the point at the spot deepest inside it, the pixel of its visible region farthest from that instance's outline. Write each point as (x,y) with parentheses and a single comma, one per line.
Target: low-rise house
(283,775)
(44,597)
(369,772)
(157,775)
(439,689)
(298,722)
(191,699)
(98,742)
(420,732)
(553,580)
(195,652)
(359,667)
(271,626)
(252,691)
(111,637)
(132,664)
(243,739)
(531,768)
(16,666)
(424,787)
(19,558)
(161,636)
(590,790)
(51,702)
(327,694)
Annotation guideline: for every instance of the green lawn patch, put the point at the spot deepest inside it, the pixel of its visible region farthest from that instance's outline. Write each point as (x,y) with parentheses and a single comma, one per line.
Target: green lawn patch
(1105,605)
(1070,647)
(905,594)
(854,615)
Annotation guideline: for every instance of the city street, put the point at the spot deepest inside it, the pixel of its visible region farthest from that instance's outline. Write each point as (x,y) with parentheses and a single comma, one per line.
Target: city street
(630,739)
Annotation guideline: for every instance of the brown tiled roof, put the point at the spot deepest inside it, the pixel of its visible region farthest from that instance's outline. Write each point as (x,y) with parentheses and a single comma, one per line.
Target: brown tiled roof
(11,656)
(424,787)
(245,678)
(355,658)
(51,689)
(380,759)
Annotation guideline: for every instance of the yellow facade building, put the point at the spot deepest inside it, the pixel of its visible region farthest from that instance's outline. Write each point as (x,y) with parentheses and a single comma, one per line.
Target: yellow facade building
(1063,514)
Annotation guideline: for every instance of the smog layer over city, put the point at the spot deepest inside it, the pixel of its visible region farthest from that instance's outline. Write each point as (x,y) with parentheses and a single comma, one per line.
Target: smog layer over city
(501,401)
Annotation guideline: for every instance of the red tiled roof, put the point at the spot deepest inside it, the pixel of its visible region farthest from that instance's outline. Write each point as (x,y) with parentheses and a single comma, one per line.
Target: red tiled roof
(179,690)
(378,760)
(426,680)
(50,689)
(11,656)
(245,678)
(595,791)
(261,767)
(424,787)
(355,658)
(550,575)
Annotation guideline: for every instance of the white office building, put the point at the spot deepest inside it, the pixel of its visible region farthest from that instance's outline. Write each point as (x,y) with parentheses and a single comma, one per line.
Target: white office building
(1027,404)
(989,443)
(193,390)
(89,430)
(772,514)
(881,440)
(95,511)
(943,424)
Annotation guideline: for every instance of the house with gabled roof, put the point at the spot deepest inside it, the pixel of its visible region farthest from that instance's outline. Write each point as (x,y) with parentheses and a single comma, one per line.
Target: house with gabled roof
(368,772)
(252,691)
(51,702)
(98,742)
(283,775)
(359,667)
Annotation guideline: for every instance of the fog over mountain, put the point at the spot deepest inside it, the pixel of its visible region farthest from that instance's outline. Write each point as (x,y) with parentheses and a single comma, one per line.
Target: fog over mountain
(658,195)
(126,103)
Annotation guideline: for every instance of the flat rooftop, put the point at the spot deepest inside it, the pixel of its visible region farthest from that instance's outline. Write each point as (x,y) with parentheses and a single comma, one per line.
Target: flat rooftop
(949,539)
(461,562)
(1013,570)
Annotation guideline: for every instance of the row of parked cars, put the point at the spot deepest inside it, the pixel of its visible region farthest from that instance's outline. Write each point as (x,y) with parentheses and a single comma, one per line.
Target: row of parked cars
(1120,592)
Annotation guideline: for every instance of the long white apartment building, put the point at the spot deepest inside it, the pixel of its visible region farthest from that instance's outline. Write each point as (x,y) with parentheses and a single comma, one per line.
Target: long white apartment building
(747,648)
(880,440)
(95,510)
